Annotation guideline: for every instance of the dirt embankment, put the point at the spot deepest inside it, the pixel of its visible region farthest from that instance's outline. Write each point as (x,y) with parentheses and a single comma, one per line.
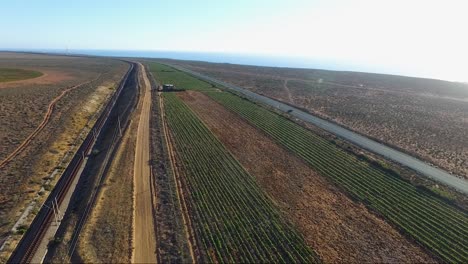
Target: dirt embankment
(339,229)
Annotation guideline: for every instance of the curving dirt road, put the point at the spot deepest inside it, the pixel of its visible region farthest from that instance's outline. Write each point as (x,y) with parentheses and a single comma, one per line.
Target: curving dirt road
(144,239)
(50,110)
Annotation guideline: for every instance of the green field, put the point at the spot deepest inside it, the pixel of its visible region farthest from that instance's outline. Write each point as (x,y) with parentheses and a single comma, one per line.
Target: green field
(8,75)
(165,74)
(233,219)
(439,226)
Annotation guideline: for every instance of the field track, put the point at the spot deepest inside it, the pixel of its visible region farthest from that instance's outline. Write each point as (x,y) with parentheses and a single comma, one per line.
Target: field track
(45,121)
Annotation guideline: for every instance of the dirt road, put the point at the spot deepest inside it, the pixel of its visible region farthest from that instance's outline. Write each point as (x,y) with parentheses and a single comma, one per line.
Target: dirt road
(144,240)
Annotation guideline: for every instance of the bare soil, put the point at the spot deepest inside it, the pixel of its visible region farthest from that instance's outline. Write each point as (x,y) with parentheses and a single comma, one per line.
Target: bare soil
(339,229)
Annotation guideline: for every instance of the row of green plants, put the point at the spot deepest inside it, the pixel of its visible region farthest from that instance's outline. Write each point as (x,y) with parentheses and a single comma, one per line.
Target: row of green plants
(439,226)
(234,220)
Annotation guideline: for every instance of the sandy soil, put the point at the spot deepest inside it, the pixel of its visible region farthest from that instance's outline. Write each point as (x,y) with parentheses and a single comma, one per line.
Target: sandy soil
(144,239)
(339,229)
(49,77)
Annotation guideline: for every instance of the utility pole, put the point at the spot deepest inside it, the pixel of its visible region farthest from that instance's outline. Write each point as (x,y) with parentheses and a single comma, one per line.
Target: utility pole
(58,210)
(94,134)
(55,213)
(120,129)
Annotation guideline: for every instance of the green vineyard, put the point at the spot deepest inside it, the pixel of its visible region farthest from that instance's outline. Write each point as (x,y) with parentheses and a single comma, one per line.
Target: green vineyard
(439,226)
(233,220)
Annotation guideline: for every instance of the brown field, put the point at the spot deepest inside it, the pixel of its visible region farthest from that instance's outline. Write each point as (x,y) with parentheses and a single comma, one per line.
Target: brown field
(426,118)
(339,229)
(23,108)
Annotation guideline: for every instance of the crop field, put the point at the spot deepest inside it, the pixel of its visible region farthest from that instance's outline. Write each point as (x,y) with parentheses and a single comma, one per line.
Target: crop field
(234,221)
(423,117)
(439,226)
(431,221)
(336,227)
(8,75)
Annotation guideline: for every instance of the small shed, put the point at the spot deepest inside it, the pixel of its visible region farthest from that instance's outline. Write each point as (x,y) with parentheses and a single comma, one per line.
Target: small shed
(168,87)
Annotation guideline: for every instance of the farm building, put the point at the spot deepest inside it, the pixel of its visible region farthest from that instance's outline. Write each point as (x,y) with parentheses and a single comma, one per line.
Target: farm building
(167,87)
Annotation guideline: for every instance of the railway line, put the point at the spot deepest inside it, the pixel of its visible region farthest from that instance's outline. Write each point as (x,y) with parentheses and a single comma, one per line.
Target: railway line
(31,240)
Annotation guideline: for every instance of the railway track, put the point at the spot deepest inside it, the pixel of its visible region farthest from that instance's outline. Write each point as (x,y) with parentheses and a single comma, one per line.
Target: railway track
(105,166)
(31,240)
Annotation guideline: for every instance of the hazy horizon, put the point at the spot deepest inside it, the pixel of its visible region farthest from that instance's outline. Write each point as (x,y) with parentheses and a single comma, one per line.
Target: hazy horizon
(414,38)
(237,58)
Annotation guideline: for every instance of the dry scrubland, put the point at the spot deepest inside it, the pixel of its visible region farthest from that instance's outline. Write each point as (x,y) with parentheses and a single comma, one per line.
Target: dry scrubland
(23,105)
(424,117)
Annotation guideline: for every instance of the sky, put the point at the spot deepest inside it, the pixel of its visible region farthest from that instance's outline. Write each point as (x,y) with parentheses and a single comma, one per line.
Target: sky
(411,37)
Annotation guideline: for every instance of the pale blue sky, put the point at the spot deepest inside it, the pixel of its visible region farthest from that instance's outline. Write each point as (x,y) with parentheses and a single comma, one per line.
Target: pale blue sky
(427,38)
